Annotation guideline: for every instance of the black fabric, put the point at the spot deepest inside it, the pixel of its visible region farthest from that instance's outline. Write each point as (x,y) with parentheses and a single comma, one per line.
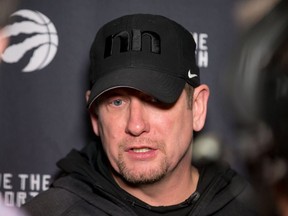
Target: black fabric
(151,53)
(87,188)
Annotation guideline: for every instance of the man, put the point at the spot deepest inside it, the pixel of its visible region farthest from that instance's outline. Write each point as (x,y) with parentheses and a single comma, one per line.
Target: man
(145,102)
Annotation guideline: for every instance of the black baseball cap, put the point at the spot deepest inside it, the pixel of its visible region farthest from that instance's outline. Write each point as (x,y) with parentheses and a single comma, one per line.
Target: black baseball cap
(150,53)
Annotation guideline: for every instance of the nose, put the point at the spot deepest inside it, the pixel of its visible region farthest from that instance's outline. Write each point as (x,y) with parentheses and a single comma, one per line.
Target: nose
(137,118)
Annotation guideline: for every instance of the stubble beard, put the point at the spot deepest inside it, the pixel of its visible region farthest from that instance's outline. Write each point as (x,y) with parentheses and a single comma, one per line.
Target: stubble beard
(148,176)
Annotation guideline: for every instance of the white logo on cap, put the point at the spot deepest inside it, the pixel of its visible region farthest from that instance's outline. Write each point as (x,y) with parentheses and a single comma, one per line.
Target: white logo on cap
(190,75)
(40,37)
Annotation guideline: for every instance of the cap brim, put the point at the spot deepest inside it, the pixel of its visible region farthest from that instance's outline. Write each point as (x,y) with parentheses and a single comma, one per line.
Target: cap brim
(165,88)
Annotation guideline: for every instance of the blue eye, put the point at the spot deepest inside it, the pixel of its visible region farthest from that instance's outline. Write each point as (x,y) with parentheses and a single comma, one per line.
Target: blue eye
(117,102)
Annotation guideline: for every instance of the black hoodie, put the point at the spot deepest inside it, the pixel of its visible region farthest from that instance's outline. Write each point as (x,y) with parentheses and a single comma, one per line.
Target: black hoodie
(87,188)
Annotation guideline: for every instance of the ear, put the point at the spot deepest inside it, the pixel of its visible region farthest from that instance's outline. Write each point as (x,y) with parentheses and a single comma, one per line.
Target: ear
(93,116)
(200,102)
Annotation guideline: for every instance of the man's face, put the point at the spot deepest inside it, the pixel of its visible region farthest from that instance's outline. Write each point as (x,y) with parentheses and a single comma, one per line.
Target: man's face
(144,139)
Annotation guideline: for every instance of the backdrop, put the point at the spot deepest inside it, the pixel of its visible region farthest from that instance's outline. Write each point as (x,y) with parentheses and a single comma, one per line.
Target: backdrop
(44,76)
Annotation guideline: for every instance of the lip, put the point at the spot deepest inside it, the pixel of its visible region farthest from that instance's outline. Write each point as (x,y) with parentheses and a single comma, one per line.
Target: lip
(141,153)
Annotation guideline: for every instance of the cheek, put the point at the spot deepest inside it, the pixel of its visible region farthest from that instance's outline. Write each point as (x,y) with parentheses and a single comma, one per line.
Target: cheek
(109,125)
(110,146)
(107,134)
(175,123)
(177,130)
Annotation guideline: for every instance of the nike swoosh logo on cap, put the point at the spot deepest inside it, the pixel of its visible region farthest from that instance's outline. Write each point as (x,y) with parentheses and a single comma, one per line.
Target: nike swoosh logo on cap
(190,75)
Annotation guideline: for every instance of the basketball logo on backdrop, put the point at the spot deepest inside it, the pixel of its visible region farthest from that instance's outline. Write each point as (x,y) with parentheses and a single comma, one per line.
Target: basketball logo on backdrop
(35,35)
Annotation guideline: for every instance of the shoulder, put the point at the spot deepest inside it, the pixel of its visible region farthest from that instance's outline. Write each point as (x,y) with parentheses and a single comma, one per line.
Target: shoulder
(61,201)
(69,196)
(54,201)
(227,192)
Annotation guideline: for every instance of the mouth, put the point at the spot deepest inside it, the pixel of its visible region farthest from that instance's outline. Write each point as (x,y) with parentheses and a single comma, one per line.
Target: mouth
(141,153)
(141,150)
